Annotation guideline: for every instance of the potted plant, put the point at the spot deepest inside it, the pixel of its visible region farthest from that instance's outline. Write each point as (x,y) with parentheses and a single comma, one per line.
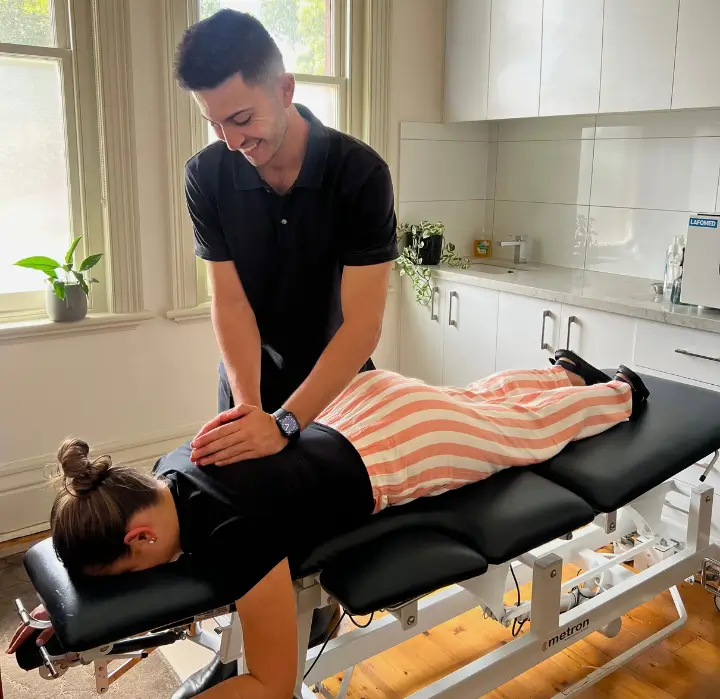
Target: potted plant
(425,247)
(66,297)
(429,238)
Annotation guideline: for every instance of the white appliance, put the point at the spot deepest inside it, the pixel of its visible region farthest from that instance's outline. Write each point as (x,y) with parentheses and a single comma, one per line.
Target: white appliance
(701,266)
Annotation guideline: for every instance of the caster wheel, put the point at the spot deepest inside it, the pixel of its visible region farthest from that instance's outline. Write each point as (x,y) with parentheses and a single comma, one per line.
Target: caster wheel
(717,603)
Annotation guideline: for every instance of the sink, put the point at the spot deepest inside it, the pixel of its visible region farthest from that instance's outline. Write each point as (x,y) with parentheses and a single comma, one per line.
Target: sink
(493,269)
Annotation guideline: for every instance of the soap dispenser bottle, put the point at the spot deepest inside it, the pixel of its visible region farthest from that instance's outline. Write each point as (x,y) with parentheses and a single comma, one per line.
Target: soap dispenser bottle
(673,269)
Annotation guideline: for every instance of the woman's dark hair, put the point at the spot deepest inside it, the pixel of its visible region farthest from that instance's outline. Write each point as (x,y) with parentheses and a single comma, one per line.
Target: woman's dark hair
(90,514)
(225,44)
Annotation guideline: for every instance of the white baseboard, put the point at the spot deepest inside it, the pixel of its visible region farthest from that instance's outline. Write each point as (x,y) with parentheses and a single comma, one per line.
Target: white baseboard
(26,497)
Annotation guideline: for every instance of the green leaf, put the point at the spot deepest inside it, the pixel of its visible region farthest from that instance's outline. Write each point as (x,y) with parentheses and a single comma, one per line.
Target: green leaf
(82,282)
(89,262)
(93,281)
(68,267)
(59,288)
(69,256)
(52,274)
(38,262)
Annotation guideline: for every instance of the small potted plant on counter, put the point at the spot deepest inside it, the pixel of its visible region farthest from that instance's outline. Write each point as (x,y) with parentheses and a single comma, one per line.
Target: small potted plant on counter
(66,297)
(425,247)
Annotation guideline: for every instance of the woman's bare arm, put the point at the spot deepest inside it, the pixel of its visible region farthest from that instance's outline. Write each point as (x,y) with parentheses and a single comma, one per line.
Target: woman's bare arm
(269,624)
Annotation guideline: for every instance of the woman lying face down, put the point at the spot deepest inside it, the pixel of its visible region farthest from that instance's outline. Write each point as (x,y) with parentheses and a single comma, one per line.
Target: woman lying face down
(386,440)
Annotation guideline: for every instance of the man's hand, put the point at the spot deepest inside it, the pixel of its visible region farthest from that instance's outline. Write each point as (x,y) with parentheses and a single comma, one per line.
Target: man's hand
(244,432)
(24,632)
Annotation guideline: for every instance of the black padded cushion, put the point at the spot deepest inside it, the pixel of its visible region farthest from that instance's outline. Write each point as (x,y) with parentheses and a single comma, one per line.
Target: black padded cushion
(679,425)
(397,568)
(500,517)
(90,612)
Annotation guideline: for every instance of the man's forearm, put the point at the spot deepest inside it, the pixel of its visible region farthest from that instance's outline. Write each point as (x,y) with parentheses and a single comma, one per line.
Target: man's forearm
(239,341)
(344,356)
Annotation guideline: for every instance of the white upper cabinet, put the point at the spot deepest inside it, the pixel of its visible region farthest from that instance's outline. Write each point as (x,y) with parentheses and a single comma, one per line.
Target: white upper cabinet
(697,79)
(638,55)
(467,53)
(571,55)
(515,55)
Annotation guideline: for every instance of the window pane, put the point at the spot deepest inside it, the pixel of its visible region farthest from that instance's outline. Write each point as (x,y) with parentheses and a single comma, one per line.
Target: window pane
(302,29)
(26,22)
(321,100)
(34,196)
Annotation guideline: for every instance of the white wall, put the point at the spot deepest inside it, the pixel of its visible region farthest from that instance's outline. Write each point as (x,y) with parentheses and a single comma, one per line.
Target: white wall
(138,392)
(604,193)
(446,175)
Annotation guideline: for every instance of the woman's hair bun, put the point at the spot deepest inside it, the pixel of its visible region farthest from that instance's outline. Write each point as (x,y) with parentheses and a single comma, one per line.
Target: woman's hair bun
(80,473)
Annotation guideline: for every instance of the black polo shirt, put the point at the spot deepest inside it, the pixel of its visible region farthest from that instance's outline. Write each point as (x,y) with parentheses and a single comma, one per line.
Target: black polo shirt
(290,250)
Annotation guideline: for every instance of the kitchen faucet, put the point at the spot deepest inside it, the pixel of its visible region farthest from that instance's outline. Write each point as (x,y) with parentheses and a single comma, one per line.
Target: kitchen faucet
(520,245)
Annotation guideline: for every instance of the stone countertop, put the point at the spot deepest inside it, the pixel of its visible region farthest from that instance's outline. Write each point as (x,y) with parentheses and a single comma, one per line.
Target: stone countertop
(614,293)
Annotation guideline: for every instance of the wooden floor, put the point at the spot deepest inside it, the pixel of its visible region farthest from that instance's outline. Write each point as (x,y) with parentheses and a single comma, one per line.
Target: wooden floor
(685,665)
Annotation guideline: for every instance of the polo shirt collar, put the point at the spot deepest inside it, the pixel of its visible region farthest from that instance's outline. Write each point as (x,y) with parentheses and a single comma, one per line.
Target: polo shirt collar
(313,167)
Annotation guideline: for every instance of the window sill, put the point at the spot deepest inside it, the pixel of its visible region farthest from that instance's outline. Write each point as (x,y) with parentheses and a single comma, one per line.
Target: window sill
(44,327)
(186,315)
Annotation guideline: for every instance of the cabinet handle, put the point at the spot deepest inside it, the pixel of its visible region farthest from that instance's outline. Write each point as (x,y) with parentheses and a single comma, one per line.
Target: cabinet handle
(698,356)
(433,315)
(544,345)
(571,320)
(450,318)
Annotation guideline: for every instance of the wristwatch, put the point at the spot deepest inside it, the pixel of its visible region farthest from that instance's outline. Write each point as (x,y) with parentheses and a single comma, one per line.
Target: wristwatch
(287,424)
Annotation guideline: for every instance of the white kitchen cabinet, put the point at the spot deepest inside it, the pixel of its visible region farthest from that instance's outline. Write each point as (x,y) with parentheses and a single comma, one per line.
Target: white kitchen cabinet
(452,341)
(469,334)
(638,55)
(467,55)
(515,56)
(528,332)
(697,80)
(421,335)
(571,56)
(603,339)
(680,353)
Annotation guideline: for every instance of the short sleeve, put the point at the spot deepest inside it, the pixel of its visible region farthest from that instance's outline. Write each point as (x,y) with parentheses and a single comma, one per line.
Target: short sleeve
(209,239)
(370,236)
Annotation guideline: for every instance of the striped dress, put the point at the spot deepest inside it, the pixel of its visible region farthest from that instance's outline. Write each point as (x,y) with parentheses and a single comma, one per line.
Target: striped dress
(418,440)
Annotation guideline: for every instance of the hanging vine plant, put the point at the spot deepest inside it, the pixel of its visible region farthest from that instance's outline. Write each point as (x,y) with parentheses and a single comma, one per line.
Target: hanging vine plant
(425,247)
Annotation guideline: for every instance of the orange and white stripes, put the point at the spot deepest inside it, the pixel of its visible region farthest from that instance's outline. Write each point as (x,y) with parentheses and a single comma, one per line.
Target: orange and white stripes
(418,440)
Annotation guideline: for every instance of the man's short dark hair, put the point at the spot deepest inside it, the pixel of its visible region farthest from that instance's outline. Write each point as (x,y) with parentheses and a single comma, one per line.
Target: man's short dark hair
(226,44)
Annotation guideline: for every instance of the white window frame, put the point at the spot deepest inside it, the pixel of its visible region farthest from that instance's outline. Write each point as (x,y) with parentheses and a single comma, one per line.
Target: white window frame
(93,47)
(360,49)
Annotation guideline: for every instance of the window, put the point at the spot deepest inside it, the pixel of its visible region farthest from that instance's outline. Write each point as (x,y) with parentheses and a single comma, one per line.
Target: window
(64,119)
(38,151)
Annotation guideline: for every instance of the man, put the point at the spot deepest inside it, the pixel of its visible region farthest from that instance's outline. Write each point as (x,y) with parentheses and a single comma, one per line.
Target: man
(297,226)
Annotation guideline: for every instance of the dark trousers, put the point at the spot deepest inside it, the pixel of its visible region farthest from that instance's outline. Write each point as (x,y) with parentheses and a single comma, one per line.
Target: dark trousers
(276,383)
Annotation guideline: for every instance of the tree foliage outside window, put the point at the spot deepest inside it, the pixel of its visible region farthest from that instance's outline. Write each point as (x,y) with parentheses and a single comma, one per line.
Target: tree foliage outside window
(301,26)
(26,22)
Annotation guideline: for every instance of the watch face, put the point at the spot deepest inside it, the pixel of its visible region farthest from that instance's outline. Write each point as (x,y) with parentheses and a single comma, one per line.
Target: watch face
(289,424)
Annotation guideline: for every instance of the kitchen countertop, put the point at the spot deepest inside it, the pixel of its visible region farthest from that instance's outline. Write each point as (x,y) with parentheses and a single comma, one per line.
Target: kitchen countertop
(615,293)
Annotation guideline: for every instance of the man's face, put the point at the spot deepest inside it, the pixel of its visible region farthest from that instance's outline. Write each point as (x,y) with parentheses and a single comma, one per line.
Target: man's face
(250,119)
